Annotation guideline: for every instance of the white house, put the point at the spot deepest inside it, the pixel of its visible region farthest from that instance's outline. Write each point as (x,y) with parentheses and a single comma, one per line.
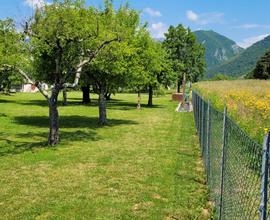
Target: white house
(28,88)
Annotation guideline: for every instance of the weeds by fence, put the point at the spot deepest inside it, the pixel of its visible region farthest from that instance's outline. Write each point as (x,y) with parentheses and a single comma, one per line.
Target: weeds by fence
(236,166)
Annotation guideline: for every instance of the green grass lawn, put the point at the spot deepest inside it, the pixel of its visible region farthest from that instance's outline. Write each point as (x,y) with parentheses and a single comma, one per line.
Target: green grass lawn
(145,165)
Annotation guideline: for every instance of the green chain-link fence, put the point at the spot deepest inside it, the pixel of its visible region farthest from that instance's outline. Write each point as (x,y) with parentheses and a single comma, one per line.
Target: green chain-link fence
(236,166)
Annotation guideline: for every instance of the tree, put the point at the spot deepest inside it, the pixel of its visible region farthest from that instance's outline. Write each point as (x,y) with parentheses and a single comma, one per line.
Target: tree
(139,70)
(108,72)
(13,52)
(65,36)
(262,69)
(159,69)
(58,34)
(109,69)
(186,54)
(150,67)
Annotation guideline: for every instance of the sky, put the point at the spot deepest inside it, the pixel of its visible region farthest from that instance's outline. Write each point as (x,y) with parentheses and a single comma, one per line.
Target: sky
(244,21)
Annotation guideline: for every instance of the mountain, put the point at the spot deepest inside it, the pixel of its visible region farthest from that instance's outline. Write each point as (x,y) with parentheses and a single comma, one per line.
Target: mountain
(218,48)
(244,62)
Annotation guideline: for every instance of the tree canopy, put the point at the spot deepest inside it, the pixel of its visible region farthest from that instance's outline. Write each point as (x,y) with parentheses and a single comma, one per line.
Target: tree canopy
(65,36)
(262,69)
(12,53)
(186,54)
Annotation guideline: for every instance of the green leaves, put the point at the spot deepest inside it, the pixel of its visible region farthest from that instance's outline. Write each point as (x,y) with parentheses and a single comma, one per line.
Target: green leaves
(262,69)
(109,69)
(57,34)
(67,32)
(151,65)
(12,53)
(186,54)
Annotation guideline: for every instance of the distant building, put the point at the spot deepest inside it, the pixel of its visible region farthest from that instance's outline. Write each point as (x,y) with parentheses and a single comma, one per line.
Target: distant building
(28,88)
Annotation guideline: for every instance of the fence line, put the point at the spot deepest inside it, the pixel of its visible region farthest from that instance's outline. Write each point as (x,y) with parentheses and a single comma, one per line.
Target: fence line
(237,168)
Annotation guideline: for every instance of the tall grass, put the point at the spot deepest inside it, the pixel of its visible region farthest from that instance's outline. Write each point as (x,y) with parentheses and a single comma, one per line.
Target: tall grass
(248,102)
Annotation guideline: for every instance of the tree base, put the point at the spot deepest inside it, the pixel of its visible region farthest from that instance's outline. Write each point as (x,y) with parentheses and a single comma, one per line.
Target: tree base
(53,141)
(102,123)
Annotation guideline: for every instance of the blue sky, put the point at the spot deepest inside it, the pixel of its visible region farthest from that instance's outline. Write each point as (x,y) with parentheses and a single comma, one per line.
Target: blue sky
(244,21)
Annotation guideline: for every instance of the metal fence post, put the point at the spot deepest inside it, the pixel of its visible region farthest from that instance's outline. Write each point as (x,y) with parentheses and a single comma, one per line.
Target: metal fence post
(197,114)
(224,146)
(208,141)
(195,109)
(264,178)
(202,130)
(199,118)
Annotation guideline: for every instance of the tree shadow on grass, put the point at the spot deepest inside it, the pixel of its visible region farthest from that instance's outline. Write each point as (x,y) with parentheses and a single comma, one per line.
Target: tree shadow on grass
(44,103)
(124,105)
(113,104)
(13,147)
(71,121)
(6,101)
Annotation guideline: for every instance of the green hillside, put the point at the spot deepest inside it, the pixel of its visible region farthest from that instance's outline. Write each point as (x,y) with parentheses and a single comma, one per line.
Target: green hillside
(218,48)
(244,62)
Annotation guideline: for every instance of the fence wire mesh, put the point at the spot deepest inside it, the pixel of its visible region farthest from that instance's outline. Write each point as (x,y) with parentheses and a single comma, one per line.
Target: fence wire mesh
(234,164)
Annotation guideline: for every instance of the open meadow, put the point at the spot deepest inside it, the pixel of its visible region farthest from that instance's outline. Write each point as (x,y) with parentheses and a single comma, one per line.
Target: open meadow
(248,103)
(144,165)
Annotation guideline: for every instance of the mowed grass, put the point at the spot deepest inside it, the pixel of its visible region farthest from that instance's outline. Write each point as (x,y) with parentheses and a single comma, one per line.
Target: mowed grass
(145,165)
(248,103)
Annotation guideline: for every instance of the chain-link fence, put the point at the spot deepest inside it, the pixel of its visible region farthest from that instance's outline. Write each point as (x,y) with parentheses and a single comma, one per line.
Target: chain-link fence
(236,166)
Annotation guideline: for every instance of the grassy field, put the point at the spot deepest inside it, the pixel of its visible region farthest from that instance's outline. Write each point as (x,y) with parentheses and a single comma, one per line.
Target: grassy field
(248,102)
(145,165)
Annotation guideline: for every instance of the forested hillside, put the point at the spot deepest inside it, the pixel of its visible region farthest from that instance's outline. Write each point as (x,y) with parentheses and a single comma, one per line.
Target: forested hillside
(244,62)
(218,48)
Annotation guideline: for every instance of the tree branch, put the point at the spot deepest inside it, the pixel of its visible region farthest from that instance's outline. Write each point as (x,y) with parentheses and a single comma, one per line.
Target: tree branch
(27,79)
(22,73)
(93,54)
(77,75)
(79,67)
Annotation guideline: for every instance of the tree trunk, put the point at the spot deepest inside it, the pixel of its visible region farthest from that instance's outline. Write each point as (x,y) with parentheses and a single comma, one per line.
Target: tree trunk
(86,94)
(64,97)
(139,100)
(102,108)
(108,96)
(178,86)
(150,96)
(54,119)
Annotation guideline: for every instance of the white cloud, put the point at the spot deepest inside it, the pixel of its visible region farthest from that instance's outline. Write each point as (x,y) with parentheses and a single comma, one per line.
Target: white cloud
(36,3)
(252,26)
(158,29)
(251,40)
(248,26)
(192,16)
(152,12)
(205,18)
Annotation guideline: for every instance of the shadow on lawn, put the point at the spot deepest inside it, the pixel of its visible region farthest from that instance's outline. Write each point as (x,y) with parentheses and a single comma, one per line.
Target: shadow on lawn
(13,147)
(123,105)
(116,104)
(71,121)
(7,101)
